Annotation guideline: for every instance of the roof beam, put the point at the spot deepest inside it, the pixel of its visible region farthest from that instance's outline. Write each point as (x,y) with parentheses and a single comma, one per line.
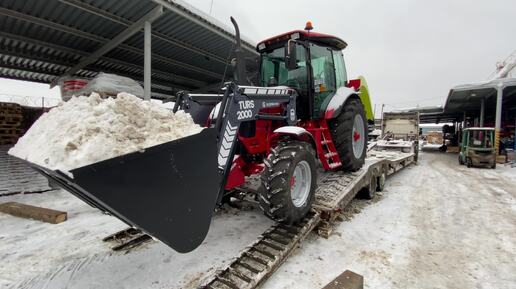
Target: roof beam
(154,14)
(99,39)
(23,63)
(50,24)
(167,38)
(205,24)
(80,53)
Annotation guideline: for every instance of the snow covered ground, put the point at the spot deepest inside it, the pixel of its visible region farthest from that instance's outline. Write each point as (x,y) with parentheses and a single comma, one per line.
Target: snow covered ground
(72,254)
(437,225)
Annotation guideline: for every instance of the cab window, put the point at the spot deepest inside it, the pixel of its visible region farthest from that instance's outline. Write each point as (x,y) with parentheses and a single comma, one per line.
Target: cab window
(275,73)
(323,75)
(340,69)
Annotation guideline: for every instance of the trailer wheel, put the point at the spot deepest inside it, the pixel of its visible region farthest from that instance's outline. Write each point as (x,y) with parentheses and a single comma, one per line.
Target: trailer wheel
(370,191)
(349,133)
(288,182)
(469,163)
(381,182)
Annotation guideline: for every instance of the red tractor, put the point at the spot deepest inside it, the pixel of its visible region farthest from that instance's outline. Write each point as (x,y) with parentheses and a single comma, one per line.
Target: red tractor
(304,112)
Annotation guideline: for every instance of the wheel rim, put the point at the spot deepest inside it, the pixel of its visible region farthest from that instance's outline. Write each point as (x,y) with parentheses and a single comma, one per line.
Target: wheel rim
(300,184)
(358,136)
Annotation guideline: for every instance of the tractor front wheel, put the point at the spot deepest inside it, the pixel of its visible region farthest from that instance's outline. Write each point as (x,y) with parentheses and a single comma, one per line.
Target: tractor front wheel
(349,133)
(288,182)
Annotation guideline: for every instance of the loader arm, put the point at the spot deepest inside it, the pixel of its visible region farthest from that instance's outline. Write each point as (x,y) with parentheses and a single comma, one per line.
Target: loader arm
(240,104)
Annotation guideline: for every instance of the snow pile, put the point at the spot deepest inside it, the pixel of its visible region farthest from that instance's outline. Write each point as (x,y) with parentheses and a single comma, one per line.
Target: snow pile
(85,130)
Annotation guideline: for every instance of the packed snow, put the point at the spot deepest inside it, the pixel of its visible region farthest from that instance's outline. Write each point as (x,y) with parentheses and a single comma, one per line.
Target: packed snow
(88,129)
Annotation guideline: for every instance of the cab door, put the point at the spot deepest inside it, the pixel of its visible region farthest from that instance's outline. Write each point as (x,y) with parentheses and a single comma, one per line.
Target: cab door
(323,76)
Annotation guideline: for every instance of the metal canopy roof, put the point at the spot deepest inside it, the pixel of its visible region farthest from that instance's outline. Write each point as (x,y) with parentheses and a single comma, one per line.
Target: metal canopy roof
(467,98)
(42,40)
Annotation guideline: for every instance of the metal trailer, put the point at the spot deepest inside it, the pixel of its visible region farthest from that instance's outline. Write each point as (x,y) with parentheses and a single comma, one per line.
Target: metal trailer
(335,191)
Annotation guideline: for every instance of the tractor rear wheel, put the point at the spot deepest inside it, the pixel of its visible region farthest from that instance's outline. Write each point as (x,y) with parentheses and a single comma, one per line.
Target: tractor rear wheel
(288,182)
(349,133)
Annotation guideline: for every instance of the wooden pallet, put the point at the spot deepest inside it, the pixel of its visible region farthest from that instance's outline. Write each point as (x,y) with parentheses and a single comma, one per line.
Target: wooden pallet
(10,123)
(11,117)
(10,112)
(8,140)
(13,131)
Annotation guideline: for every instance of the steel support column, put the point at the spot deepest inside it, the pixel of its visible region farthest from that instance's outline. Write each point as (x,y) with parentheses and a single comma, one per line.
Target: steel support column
(482,112)
(498,116)
(147,53)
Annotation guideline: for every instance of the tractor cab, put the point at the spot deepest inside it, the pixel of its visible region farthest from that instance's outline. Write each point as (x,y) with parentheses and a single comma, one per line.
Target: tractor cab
(478,147)
(309,62)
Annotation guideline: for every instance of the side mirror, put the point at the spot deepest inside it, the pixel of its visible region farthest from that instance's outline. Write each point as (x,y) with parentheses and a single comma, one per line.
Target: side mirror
(290,55)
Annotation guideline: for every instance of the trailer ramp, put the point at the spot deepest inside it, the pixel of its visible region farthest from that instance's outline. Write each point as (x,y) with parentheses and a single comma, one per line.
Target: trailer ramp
(335,191)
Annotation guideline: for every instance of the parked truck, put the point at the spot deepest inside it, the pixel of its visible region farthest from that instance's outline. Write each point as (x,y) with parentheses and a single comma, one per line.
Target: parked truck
(400,131)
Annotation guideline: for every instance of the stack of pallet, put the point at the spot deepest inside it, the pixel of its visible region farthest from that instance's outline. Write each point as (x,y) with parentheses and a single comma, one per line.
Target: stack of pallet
(10,123)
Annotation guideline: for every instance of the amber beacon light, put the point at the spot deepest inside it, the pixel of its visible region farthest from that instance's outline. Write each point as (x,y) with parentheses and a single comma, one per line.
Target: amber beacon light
(309,26)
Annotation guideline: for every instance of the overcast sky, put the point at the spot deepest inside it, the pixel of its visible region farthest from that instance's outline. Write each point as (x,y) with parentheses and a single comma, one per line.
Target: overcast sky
(411,52)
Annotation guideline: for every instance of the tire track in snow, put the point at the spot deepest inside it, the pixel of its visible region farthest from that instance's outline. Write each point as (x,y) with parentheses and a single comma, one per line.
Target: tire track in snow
(64,274)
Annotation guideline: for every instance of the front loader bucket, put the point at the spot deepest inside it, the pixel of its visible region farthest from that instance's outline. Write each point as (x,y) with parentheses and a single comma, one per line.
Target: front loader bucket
(168,191)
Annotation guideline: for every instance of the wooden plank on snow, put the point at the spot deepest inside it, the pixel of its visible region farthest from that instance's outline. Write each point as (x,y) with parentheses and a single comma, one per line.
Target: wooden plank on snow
(33,212)
(346,280)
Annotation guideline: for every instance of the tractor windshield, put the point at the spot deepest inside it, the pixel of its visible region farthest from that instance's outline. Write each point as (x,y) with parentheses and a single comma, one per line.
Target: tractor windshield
(274,72)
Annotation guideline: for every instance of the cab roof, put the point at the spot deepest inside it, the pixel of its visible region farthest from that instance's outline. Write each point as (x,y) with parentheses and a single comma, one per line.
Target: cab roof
(324,39)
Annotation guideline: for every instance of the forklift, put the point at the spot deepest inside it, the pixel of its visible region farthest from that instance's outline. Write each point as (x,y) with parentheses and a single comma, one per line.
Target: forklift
(478,148)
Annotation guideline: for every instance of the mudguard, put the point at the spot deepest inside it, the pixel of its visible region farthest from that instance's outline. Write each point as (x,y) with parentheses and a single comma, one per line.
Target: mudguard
(358,88)
(297,132)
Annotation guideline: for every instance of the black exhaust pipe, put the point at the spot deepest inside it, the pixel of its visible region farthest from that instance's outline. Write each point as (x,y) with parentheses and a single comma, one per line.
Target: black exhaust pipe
(240,72)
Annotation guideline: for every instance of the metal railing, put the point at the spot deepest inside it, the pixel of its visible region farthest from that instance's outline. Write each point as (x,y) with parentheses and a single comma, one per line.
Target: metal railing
(30,101)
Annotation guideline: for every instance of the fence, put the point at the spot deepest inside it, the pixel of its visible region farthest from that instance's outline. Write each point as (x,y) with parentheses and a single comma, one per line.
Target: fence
(30,101)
